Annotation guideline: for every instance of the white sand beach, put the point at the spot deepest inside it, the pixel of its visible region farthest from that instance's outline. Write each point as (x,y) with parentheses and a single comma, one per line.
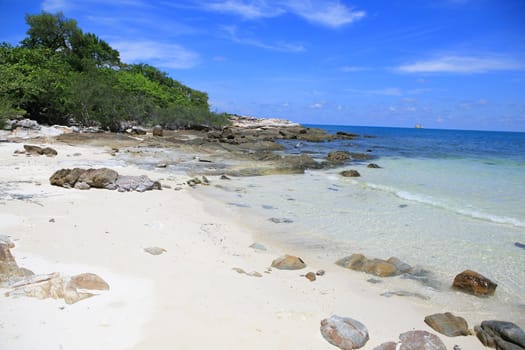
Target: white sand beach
(187,298)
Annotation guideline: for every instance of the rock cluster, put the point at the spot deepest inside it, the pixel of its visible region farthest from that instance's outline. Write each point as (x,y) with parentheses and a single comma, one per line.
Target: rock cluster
(23,282)
(382,268)
(474,283)
(102,178)
(344,332)
(32,150)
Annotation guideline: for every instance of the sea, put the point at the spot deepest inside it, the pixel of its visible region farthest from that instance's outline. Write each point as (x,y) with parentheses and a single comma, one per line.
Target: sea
(443,201)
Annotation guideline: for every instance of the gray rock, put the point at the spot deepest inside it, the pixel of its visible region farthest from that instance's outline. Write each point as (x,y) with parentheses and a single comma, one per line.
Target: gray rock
(373,166)
(350,173)
(257,246)
(155,250)
(501,335)
(404,293)
(344,332)
(136,183)
(157,130)
(448,324)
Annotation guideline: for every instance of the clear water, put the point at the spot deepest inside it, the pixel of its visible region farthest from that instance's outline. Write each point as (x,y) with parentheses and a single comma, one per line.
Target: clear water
(443,200)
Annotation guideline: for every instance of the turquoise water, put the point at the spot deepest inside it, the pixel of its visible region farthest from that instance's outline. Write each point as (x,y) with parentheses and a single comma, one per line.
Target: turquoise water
(444,201)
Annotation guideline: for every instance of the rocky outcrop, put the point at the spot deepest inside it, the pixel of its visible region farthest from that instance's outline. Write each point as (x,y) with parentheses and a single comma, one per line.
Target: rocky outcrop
(472,282)
(10,272)
(350,173)
(382,268)
(414,340)
(501,335)
(288,262)
(344,332)
(102,178)
(448,324)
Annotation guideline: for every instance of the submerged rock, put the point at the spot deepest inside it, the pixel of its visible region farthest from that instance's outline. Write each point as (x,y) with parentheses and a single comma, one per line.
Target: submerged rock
(501,335)
(350,173)
(472,282)
(378,267)
(344,332)
(288,262)
(448,324)
(414,340)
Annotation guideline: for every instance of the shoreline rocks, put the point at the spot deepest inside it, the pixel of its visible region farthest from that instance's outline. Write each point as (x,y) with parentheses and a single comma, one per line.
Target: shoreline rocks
(378,267)
(104,178)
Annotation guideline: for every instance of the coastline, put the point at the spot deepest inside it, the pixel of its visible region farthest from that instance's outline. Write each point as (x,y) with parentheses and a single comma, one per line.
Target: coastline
(187,297)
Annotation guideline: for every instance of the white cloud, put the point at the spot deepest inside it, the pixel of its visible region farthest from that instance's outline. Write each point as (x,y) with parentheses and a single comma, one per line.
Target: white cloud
(232,34)
(327,13)
(250,10)
(331,13)
(55,5)
(316,106)
(349,69)
(387,92)
(461,64)
(156,53)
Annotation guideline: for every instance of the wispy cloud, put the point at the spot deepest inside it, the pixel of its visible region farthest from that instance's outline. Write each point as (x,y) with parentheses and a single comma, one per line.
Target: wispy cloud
(330,13)
(247,10)
(386,92)
(231,33)
(326,13)
(65,5)
(156,53)
(461,64)
(55,5)
(349,69)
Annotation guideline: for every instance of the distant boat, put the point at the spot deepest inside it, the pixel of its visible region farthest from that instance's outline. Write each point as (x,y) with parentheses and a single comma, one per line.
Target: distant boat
(418,126)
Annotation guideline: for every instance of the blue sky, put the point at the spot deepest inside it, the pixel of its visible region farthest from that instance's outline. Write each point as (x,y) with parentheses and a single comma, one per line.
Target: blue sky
(454,64)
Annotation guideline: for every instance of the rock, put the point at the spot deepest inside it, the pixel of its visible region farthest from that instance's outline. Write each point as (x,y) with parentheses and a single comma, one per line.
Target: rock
(79,287)
(10,272)
(519,245)
(281,220)
(501,335)
(378,267)
(224,177)
(373,166)
(137,130)
(251,274)
(472,282)
(155,250)
(36,150)
(338,156)
(360,156)
(350,173)
(310,276)
(448,324)
(346,135)
(136,183)
(66,177)
(157,130)
(320,272)
(99,178)
(26,124)
(401,266)
(257,246)
(414,340)
(288,262)
(161,165)
(344,332)
(404,293)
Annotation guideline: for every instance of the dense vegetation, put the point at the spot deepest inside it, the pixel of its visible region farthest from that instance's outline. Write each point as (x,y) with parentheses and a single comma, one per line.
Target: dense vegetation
(60,75)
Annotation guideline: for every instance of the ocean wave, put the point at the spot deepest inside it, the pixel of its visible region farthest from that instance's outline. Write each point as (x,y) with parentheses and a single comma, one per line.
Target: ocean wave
(429,200)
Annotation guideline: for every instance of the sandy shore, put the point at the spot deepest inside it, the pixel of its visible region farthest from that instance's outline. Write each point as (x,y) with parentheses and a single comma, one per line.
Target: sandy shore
(187,298)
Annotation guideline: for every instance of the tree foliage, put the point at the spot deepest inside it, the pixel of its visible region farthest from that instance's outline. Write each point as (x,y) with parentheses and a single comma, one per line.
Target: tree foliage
(59,74)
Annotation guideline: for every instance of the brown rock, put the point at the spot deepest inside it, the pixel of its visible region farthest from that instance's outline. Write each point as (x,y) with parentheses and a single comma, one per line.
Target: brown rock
(350,173)
(338,156)
(66,177)
(288,262)
(474,283)
(420,340)
(448,324)
(387,346)
(10,272)
(310,276)
(344,332)
(99,178)
(378,267)
(157,130)
(36,150)
(88,281)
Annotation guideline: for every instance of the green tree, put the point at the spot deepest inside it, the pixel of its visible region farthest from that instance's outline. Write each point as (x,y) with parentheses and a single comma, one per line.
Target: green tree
(54,32)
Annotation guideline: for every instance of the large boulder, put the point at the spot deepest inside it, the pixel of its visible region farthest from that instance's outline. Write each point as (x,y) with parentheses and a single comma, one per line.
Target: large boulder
(157,130)
(288,262)
(414,340)
(472,282)
(99,178)
(344,332)
(378,267)
(66,177)
(501,335)
(448,324)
